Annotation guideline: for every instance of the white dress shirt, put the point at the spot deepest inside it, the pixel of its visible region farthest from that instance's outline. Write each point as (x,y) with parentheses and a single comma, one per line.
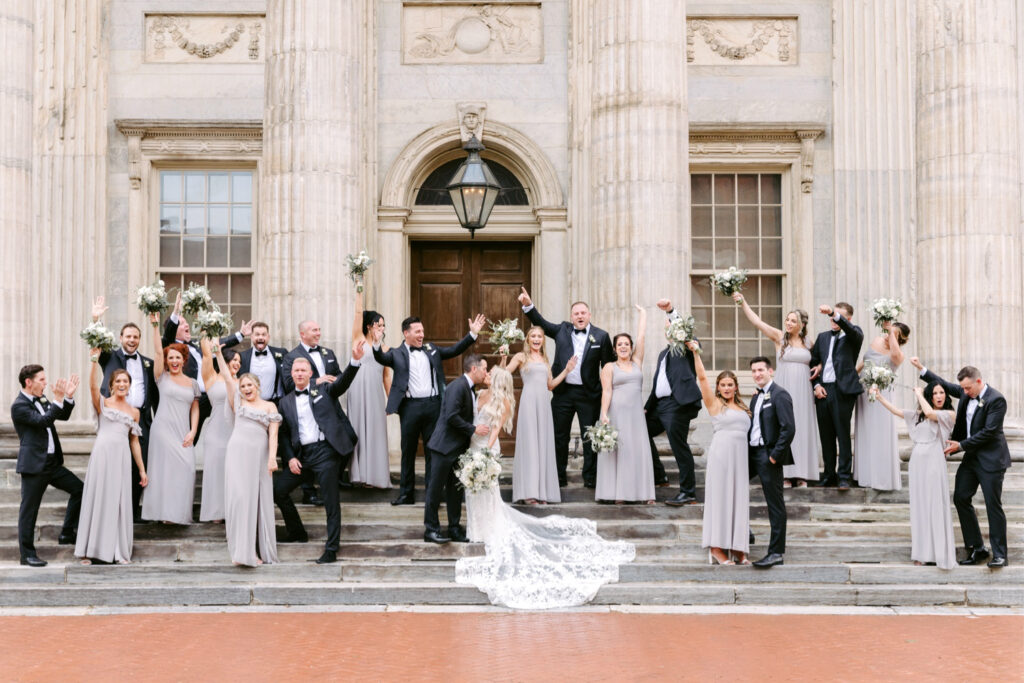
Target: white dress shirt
(662,388)
(42,411)
(309,430)
(264,367)
(421,375)
(755,421)
(318,359)
(972,407)
(137,391)
(828,372)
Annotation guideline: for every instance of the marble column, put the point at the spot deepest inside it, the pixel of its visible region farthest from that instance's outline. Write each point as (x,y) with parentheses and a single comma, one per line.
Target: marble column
(17,20)
(969,212)
(312,192)
(638,177)
(69,182)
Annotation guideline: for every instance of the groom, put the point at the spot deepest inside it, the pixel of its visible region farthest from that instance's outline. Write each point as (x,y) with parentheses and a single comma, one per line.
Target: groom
(772,428)
(450,439)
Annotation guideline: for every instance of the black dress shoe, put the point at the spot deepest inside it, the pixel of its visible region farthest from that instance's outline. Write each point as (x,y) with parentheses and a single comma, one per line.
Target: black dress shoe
(562,483)
(590,484)
(975,556)
(344,484)
(328,557)
(312,499)
(404,500)
(681,499)
(662,482)
(822,483)
(457,534)
(33,561)
(997,563)
(434,537)
(751,539)
(769,561)
(844,485)
(67,539)
(285,538)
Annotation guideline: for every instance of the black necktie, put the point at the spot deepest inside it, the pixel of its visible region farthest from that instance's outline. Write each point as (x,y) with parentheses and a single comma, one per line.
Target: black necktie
(302,392)
(583,331)
(261,353)
(131,356)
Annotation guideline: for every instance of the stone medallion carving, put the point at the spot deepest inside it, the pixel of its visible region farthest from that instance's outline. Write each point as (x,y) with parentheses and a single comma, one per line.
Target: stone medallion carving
(746,41)
(471,119)
(472,33)
(222,38)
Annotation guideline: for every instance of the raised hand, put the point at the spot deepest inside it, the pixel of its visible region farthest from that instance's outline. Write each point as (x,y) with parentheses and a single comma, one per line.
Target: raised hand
(477,323)
(359,349)
(94,355)
(154,319)
(524,298)
(177,303)
(826,310)
(323,379)
(58,388)
(639,308)
(246,328)
(919,392)
(378,334)
(98,309)
(737,297)
(916,362)
(71,385)
(665,305)
(693,346)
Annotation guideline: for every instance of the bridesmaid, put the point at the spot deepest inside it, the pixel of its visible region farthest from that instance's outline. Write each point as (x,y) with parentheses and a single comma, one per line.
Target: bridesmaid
(367,398)
(534,471)
(172,461)
(727,477)
(931,521)
(876,459)
(217,430)
(251,459)
(105,525)
(627,473)
(793,363)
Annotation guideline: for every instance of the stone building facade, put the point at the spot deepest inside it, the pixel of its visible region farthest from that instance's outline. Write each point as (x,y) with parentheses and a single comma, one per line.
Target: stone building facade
(840,149)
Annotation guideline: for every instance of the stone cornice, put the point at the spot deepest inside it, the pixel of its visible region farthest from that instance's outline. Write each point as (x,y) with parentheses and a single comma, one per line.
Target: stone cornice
(191,128)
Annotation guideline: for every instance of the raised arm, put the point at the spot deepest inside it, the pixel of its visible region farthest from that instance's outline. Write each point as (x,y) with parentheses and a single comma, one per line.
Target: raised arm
(230,383)
(550,329)
(928,411)
(775,334)
(357,317)
(895,350)
(952,388)
(518,360)
(706,392)
(606,391)
(94,380)
(158,346)
(641,336)
(341,385)
(206,368)
(885,403)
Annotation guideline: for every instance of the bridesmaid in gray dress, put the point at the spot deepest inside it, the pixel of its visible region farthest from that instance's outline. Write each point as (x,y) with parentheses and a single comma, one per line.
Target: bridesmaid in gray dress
(172,461)
(534,471)
(931,520)
(627,473)
(876,459)
(105,524)
(215,435)
(727,479)
(793,373)
(367,398)
(249,488)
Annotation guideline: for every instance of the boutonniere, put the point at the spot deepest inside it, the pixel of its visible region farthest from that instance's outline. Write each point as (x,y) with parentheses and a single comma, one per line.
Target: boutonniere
(981,403)
(314,392)
(323,352)
(147,364)
(43,401)
(429,347)
(592,340)
(767,396)
(277,354)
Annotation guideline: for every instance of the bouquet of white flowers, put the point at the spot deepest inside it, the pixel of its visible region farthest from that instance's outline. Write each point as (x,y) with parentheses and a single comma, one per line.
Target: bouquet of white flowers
(152,298)
(883,310)
(730,281)
(876,376)
(602,437)
(195,299)
(212,323)
(504,334)
(678,332)
(98,337)
(479,469)
(357,267)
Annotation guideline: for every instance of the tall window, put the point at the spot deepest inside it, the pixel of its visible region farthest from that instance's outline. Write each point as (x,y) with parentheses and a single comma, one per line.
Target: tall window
(206,224)
(736,221)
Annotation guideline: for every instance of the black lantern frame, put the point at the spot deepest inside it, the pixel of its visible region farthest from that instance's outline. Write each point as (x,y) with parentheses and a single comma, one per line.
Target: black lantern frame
(473,189)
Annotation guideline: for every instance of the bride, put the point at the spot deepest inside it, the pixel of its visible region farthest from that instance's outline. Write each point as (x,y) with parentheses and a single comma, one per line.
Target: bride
(531,562)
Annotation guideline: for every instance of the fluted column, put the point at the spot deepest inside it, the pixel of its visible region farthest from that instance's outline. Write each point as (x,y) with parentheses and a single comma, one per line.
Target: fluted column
(313,201)
(968,146)
(638,176)
(16,45)
(70,181)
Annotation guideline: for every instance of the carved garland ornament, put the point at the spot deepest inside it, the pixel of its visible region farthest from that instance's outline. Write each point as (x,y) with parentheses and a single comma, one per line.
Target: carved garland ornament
(170,25)
(762,32)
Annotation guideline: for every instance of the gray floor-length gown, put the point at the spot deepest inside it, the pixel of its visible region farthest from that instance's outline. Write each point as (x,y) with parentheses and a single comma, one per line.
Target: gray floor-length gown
(534,472)
(727,484)
(793,373)
(216,432)
(105,524)
(172,467)
(249,488)
(627,473)
(876,460)
(931,519)
(366,412)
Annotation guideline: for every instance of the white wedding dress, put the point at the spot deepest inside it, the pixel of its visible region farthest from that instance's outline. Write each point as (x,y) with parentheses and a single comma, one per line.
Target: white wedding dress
(536,562)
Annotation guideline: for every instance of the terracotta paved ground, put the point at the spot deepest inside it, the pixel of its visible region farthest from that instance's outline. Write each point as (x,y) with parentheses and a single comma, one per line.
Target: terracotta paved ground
(514,647)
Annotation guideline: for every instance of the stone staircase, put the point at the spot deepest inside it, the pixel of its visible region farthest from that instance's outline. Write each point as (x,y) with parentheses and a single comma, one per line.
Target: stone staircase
(843,549)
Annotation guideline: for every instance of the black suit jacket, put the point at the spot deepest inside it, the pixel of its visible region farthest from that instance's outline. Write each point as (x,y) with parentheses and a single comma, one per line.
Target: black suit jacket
(397,359)
(328,413)
(115,360)
(682,380)
(330,359)
(191,368)
(987,442)
(844,357)
(32,426)
(276,352)
(596,353)
(778,426)
(455,427)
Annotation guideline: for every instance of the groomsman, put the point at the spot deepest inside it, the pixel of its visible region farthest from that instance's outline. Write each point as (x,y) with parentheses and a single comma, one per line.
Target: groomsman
(416,390)
(580,394)
(836,387)
(674,402)
(261,359)
(450,439)
(772,428)
(978,432)
(40,458)
(317,437)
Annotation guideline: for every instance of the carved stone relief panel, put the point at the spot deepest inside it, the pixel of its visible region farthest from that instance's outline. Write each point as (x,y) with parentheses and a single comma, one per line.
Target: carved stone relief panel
(472,33)
(221,38)
(746,41)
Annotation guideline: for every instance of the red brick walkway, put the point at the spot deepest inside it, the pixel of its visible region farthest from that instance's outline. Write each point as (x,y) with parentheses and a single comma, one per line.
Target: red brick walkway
(513,647)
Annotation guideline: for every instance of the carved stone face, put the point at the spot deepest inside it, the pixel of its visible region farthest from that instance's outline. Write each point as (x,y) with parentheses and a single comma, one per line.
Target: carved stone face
(471,120)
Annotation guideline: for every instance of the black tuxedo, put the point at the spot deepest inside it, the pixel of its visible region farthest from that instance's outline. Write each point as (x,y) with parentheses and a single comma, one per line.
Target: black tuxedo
(571,400)
(778,427)
(985,461)
(39,469)
(330,360)
(417,415)
(450,439)
(835,411)
(672,414)
(277,353)
(324,458)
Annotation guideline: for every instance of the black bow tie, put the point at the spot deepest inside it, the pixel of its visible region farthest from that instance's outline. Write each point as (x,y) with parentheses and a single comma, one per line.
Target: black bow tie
(131,356)
(37,399)
(262,353)
(583,331)
(835,333)
(760,391)
(314,349)
(302,392)
(415,348)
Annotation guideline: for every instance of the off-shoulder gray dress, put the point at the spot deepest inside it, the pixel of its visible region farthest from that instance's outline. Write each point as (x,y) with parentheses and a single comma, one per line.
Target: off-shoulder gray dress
(249,488)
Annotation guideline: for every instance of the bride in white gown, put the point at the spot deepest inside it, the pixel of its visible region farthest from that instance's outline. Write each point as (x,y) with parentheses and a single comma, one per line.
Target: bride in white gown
(531,562)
